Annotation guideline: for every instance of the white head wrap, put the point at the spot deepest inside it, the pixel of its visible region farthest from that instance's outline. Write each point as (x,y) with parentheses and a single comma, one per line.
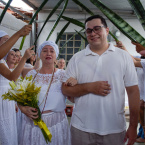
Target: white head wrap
(2,33)
(50,43)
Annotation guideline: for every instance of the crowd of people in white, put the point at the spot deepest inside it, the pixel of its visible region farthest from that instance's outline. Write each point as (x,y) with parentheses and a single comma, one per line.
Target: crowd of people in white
(95,80)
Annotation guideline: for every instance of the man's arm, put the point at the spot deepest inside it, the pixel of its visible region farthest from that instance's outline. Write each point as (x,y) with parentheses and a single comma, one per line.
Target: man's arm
(134,103)
(99,88)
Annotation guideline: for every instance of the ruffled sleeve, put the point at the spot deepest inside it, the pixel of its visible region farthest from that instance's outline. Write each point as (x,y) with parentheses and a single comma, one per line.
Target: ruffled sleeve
(32,72)
(62,76)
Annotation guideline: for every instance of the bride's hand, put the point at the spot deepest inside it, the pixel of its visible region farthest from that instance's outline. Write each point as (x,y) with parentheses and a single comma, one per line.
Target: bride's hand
(16,108)
(32,113)
(71,82)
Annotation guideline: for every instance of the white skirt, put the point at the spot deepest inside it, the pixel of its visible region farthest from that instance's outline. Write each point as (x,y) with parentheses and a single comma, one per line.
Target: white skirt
(57,124)
(8,127)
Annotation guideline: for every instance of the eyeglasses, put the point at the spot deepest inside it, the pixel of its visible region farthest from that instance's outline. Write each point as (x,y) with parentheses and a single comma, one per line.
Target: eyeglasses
(13,55)
(17,56)
(96,29)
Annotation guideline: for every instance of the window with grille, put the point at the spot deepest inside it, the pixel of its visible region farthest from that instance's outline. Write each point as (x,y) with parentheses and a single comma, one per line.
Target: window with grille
(74,44)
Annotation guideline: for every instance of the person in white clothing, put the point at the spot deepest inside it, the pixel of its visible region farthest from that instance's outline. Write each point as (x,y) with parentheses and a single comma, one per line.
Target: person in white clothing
(52,108)
(140,64)
(141,84)
(18,55)
(61,63)
(98,117)
(11,59)
(31,61)
(8,126)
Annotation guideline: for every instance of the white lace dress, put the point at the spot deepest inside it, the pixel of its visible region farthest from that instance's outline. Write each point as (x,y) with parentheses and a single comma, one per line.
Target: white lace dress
(8,127)
(56,121)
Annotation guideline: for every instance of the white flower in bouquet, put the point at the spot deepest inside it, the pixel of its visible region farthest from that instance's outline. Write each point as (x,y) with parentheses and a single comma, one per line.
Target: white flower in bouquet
(26,93)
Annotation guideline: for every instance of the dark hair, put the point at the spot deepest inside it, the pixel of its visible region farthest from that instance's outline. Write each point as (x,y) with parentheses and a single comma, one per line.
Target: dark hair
(97,17)
(28,61)
(142,57)
(15,49)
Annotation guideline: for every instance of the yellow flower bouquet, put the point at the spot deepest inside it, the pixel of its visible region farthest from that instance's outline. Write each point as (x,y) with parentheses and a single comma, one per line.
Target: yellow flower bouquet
(26,93)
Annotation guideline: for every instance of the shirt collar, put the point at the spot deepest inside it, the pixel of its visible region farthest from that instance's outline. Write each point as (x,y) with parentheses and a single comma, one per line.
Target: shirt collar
(88,51)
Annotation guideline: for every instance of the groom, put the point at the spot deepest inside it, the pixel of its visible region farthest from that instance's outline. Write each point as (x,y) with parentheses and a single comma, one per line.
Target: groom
(98,116)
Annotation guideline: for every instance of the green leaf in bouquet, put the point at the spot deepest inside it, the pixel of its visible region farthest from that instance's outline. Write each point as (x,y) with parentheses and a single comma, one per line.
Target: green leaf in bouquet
(12,84)
(58,19)
(29,78)
(5,9)
(122,25)
(5,96)
(48,17)
(139,10)
(29,97)
(31,21)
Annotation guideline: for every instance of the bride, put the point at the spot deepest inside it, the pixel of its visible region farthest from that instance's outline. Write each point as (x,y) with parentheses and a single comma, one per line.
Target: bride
(51,101)
(8,128)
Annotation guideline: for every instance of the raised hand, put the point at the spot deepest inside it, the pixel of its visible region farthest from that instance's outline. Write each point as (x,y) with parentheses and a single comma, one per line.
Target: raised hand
(28,52)
(119,44)
(25,30)
(139,47)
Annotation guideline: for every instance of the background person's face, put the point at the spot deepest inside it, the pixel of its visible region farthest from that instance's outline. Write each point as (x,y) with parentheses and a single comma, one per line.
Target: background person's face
(33,57)
(61,64)
(11,58)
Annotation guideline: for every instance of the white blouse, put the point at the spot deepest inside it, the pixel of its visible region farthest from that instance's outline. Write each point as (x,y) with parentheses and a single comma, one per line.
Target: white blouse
(55,100)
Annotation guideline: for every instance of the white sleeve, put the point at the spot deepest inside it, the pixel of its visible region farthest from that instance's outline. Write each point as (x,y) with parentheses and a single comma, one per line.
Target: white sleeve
(62,76)
(28,65)
(143,64)
(130,77)
(32,72)
(71,70)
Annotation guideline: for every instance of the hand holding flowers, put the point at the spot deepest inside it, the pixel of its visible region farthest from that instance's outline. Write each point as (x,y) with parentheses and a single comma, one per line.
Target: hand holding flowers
(25,93)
